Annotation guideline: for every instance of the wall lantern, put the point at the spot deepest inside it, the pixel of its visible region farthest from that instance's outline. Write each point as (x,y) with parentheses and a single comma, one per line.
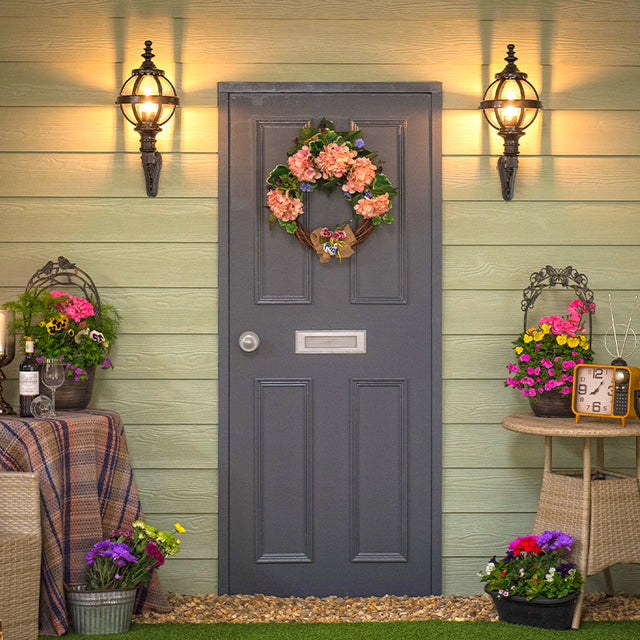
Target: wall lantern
(510,105)
(148,100)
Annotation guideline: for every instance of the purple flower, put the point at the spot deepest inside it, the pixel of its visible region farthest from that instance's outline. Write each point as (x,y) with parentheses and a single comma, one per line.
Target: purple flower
(564,568)
(554,540)
(358,143)
(305,186)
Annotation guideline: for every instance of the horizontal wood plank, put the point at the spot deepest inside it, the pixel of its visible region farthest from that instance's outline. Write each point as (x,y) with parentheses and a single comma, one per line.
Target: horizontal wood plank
(153,356)
(89,175)
(579,10)
(73,129)
(113,264)
(544,178)
(200,540)
(557,133)
(246,40)
(482,534)
(187,491)
(507,223)
(173,446)
(170,401)
(508,267)
(119,220)
(515,490)
(195,130)
(184,175)
(468,446)
(562,87)
(151,311)
(189,576)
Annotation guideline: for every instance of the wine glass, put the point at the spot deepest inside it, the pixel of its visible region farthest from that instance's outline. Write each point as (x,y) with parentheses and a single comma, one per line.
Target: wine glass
(52,374)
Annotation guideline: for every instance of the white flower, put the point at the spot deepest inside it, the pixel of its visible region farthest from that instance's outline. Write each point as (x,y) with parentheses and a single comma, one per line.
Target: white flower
(96,336)
(80,334)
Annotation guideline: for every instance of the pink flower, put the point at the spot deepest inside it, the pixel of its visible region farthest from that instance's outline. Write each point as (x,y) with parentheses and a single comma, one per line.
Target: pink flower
(79,308)
(360,175)
(302,167)
(525,357)
(514,368)
(282,206)
(372,207)
(532,393)
(335,160)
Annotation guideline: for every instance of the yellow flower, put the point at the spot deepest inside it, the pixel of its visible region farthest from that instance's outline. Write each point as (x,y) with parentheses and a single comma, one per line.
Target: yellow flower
(538,335)
(519,350)
(179,527)
(573,342)
(546,328)
(561,339)
(527,337)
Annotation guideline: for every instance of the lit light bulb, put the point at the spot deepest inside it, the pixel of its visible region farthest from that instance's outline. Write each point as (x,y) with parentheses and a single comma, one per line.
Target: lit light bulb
(148,109)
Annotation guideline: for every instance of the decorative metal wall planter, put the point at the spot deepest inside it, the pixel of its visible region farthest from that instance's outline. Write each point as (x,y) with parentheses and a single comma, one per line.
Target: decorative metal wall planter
(148,100)
(510,105)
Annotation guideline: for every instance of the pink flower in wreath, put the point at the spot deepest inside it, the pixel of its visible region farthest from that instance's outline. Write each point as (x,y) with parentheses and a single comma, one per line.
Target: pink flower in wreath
(335,160)
(283,206)
(302,167)
(372,207)
(360,175)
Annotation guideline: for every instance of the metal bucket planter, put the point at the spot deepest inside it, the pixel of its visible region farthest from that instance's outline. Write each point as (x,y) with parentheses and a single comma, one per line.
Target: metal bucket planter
(100,612)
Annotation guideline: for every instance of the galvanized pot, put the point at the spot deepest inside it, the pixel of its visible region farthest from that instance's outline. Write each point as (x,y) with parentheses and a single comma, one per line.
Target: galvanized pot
(100,612)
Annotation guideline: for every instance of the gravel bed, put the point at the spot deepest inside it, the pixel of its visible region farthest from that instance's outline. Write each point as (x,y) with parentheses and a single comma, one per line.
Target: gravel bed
(260,608)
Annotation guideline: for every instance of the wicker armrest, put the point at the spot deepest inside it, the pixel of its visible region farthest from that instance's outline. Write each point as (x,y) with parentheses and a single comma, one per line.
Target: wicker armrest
(19,502)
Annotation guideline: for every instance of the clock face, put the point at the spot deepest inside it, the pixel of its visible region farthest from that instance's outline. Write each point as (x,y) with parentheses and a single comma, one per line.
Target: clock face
(593,390)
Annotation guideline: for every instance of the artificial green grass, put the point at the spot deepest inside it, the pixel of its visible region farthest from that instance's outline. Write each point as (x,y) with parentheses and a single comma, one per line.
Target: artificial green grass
(422,630)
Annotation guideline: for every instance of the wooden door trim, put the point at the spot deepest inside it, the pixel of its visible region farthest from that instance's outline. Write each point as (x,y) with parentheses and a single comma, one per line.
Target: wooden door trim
(225,90)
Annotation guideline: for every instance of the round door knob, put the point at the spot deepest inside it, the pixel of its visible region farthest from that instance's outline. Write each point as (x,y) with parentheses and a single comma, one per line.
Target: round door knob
(249,341)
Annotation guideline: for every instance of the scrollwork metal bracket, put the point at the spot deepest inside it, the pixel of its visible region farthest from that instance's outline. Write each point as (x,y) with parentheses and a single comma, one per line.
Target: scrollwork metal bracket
(550,277)
(63,274)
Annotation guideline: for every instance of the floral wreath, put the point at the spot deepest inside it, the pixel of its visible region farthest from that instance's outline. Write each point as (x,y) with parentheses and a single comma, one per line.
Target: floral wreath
(323,158)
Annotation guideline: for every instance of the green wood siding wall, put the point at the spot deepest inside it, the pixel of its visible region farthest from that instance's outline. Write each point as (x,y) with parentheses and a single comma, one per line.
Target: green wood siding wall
(71,184)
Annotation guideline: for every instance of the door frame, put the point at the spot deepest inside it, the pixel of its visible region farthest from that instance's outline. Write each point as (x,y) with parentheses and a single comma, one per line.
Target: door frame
(225,90)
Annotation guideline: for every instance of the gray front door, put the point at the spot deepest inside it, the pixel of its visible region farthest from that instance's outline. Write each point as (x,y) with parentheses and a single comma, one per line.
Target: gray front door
(330,463)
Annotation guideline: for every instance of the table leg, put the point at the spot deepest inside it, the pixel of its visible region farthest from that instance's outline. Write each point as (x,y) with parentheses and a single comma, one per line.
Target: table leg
(600,453)
(548,454)
(586,519)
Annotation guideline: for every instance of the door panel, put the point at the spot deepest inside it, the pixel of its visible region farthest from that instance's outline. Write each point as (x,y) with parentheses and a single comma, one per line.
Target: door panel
(330,463)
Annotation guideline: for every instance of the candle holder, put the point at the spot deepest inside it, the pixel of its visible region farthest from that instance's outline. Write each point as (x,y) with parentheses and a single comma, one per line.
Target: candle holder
(7,353)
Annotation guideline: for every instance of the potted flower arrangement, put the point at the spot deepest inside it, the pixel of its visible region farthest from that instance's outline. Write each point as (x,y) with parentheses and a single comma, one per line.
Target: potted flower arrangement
(78,332)
(533,584)
(545,358)
(116,567)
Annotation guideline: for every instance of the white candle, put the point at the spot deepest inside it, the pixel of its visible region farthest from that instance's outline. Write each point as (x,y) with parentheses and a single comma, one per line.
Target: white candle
(3,332)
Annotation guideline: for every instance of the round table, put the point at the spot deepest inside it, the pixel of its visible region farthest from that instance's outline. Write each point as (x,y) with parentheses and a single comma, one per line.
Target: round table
(599,508)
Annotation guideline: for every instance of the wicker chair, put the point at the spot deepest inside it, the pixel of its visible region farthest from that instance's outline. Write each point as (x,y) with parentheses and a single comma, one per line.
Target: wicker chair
(20,552)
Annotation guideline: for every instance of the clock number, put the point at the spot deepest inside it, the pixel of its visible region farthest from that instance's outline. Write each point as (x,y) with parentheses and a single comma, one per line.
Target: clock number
(610,390)
(582,389)
(596,407)
(598,373)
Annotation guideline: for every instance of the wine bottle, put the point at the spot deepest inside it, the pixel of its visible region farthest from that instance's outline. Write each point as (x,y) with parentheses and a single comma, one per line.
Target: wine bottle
(29,379)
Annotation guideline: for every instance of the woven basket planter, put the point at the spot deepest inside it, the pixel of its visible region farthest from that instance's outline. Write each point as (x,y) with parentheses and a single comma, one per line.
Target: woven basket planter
(614,509)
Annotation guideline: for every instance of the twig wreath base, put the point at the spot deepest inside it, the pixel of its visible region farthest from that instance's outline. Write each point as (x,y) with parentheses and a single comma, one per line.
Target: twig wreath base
(323,158)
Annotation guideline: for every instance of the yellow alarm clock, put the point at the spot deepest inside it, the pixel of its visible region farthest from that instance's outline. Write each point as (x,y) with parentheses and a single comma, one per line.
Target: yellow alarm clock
(605,391)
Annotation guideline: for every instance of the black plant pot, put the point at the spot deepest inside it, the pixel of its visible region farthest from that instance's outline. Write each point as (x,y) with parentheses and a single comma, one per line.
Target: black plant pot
(547,613)
(551,404)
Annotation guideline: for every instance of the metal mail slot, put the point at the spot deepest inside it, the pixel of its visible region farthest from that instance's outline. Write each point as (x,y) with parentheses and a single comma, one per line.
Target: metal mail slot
(331,341)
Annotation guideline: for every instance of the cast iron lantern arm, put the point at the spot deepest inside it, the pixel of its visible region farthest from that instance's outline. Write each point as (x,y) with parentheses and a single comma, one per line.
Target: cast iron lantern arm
(510,105)
(148,100)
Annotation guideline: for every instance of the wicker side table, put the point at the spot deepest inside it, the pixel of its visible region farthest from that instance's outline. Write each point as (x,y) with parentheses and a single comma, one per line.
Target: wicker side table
(600,508)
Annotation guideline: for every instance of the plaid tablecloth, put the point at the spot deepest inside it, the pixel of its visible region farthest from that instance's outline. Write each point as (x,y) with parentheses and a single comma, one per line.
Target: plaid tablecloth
(87,489)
